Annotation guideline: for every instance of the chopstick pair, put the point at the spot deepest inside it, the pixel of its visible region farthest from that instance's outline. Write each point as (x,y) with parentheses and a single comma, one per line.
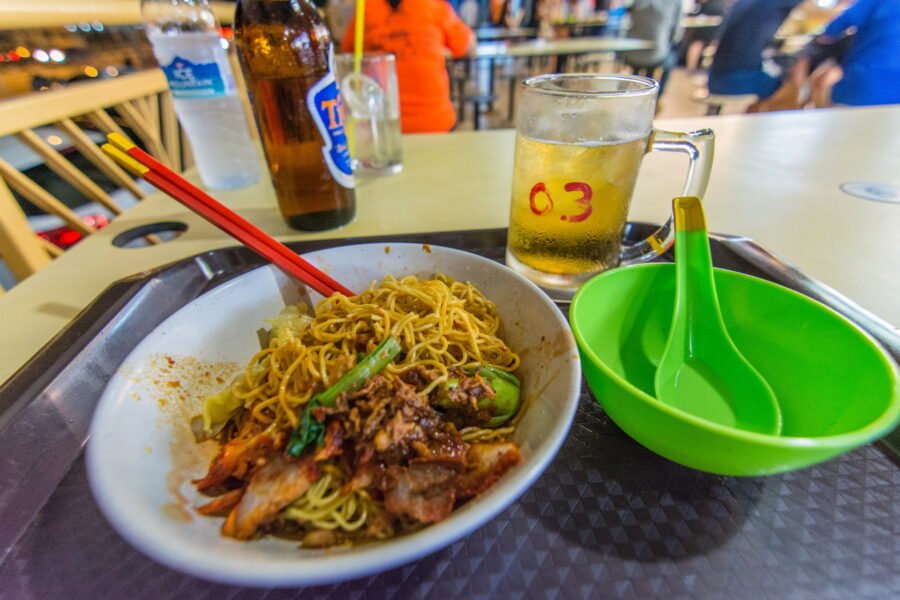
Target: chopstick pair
(151,170)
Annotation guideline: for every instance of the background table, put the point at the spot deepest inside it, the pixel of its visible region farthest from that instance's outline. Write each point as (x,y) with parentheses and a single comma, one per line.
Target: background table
(504,33)
(775,178)
(486,53)
(560,47)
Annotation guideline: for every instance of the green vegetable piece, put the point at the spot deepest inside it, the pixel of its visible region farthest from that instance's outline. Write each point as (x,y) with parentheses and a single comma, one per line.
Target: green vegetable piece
(310,431)
(488,371)
(502,407)
(218,409)
(507,395)
(355,377)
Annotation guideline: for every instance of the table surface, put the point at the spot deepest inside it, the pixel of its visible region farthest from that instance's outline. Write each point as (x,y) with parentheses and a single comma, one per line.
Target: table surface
(504,33)
(562,46)
(598,18)
(775,178)
(687,21)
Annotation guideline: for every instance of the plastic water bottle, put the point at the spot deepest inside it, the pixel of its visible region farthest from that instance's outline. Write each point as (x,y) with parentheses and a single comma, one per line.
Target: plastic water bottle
(186,42)
(615,16)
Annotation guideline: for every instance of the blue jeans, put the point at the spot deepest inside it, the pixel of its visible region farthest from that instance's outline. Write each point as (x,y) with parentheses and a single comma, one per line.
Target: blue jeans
(743,81)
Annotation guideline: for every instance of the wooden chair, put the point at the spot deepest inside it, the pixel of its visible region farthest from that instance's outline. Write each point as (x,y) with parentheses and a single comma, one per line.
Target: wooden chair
(465,91)
(141,103)
(716,102)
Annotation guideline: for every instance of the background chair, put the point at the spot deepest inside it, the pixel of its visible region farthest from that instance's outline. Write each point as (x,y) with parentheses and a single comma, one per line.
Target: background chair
(716,102)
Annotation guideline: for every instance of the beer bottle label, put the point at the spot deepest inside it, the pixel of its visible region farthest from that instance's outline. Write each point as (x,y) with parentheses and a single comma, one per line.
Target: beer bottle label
(324,103)
(189,80)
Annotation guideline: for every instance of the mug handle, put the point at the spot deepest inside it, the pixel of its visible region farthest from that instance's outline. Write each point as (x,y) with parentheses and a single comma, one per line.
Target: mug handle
(699,146)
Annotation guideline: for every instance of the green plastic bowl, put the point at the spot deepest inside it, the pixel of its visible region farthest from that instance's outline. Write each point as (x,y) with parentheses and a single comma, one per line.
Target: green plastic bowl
(836,387)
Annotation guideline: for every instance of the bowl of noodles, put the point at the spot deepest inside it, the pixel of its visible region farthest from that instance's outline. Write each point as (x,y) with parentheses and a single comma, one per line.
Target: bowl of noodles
(264,435)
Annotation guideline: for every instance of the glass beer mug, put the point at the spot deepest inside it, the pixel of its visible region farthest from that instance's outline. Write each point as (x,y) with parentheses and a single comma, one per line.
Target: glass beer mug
(580,139)
(372,113)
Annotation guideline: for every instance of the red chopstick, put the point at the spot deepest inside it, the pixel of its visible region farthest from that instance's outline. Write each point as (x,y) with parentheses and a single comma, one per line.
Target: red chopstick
(220,215)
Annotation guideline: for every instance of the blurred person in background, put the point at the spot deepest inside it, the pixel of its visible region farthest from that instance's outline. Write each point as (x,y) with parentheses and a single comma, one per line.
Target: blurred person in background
(497,11)
(547,13)
(737,66)
(657,21)
(518,13)
(419,33)
(697,39)
(339,13)
(856,60)
(470,12)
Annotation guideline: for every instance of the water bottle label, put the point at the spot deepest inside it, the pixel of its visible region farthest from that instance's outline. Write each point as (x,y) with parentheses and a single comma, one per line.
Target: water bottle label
(197,80)
(324,102)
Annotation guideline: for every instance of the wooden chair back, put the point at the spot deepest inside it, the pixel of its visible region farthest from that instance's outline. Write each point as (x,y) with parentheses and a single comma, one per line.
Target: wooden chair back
(139,102)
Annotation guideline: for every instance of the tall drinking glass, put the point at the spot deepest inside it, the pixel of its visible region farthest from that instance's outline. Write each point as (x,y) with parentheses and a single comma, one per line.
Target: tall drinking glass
(580,139)
(372,113)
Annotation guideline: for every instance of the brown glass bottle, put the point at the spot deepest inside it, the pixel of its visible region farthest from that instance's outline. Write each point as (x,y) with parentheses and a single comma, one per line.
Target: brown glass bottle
(285,52)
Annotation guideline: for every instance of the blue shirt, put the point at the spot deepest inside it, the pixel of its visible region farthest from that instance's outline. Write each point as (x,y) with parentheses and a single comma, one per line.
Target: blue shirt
(746,31)
(872,63)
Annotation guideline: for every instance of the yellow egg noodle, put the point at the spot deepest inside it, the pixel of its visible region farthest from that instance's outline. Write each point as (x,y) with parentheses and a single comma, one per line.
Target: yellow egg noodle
(440,324)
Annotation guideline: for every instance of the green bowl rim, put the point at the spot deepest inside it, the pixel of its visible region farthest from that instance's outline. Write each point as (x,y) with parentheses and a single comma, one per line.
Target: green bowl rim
(876,428)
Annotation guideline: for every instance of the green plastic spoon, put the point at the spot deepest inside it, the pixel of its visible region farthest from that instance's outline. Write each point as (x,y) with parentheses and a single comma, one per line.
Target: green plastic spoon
(701,371)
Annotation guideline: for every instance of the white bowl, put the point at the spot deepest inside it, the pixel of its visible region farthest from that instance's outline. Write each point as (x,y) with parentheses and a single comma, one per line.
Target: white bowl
(141,455)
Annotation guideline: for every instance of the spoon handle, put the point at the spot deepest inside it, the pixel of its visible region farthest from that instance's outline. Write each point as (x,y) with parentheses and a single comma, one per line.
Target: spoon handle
(696,298)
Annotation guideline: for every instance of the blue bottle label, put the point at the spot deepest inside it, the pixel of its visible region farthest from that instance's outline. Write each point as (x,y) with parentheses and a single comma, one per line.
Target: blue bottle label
(324,103)
(193,80)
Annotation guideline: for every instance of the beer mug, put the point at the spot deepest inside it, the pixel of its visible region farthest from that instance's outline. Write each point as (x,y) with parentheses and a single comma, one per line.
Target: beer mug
(372,113)
(580,139)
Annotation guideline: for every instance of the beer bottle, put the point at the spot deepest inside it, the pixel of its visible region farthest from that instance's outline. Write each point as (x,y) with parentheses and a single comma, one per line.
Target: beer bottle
(287,59)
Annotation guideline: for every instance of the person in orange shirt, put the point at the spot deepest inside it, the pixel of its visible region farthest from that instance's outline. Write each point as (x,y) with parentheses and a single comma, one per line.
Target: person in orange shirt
(419,33)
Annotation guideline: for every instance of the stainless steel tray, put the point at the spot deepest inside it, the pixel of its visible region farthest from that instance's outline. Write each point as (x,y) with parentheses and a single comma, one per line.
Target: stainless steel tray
(608,518)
